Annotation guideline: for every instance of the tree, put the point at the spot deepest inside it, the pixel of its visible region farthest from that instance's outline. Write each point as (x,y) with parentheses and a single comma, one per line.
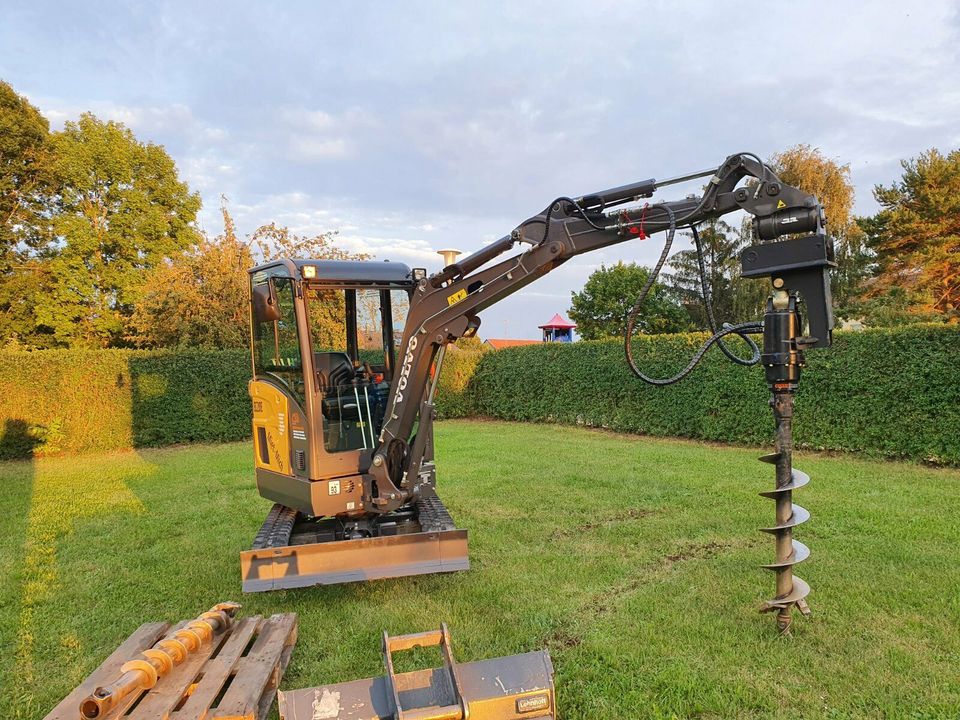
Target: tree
(600,309)
(200,299)
(119,210)
(916,236)
(327,307)
(24,174)
(24,194)
(734,298)
(273,241)
(807,168)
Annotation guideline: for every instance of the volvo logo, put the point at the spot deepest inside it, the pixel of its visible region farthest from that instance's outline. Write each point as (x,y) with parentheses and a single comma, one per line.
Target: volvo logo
(405,371)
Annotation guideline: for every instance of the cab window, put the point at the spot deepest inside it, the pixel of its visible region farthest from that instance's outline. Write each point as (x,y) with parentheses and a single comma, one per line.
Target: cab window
(354,333)
(276,342)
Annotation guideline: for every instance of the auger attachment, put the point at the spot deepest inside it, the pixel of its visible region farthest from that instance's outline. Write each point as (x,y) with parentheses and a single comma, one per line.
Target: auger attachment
(782,359)
(143,672)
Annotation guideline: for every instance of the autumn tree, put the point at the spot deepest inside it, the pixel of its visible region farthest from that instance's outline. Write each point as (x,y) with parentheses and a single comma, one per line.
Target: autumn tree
(119,210)
(326,306)
(600,309)
(200,299)
(272,241)
(916,237)
(810,170)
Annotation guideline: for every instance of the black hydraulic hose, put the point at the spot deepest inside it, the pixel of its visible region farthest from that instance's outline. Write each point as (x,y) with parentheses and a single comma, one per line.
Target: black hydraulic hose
(740,329)
(580,211)
(711,321)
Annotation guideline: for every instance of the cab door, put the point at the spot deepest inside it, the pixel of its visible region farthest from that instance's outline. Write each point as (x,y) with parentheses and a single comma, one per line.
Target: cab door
(278,389)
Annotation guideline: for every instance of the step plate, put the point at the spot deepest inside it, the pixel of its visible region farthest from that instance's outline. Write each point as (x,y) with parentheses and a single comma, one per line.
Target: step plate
(274,565)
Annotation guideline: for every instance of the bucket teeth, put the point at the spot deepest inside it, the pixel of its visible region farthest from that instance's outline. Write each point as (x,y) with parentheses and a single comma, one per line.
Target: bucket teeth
(791,590)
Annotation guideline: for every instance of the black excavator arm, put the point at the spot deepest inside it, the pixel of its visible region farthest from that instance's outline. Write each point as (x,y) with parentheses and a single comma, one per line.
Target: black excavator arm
(445,306)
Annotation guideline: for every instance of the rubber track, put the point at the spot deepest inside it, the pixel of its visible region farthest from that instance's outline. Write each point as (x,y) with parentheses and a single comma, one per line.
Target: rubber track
(433,515)
(276,529)
(278,525)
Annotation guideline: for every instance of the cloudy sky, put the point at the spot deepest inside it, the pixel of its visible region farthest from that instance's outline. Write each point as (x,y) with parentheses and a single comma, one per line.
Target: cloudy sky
(411,127)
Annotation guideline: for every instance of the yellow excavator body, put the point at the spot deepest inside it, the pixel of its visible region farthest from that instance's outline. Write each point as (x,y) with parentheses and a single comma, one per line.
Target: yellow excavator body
(324,350)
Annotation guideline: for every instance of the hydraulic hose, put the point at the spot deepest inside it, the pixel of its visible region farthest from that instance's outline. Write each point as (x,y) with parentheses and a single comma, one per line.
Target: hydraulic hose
(741,329)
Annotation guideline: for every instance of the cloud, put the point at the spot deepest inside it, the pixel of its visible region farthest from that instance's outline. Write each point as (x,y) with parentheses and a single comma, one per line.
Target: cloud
(318,135)
(308,148)
(151,123)
(433,125)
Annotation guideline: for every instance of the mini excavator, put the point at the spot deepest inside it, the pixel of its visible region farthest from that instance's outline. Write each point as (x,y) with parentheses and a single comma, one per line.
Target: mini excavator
(346,358)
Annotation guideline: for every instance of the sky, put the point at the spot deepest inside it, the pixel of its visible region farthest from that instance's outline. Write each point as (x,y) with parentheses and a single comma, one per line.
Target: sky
(416,126)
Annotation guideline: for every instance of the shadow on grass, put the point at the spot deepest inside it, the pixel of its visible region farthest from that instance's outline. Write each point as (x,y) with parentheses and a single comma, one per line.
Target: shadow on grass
(177,398)
(62,494)
(17,441)
(56,548)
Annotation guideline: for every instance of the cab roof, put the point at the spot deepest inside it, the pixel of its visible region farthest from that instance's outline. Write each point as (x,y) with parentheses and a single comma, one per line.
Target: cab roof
(359,271)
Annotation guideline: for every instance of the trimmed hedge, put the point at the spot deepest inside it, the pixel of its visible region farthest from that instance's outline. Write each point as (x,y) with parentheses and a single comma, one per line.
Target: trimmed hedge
(894,392)
(453,398)
(68,401)
(60,401)
(886,392)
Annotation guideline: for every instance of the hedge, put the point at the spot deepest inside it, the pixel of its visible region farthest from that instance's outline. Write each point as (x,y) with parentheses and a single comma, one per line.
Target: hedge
(60,401)
(894,393)
(68,401)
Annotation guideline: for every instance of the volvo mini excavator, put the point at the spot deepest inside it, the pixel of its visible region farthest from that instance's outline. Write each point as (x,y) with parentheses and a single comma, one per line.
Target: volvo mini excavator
(346,358)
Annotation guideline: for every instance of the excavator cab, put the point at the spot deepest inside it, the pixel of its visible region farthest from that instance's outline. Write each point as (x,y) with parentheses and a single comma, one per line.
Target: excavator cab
(325,337)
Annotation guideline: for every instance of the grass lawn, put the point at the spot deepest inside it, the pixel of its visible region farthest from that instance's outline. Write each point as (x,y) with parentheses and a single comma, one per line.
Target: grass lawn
(634,560)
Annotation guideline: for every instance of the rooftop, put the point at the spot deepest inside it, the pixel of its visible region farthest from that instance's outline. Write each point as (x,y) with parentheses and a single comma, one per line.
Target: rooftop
(501,343)
(558,322)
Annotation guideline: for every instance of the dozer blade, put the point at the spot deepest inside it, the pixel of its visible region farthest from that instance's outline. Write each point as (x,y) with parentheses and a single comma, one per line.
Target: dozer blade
(507,688)
(277,562)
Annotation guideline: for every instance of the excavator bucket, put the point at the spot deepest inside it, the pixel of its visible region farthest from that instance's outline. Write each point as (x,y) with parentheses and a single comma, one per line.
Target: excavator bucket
(519,687)
(292,551)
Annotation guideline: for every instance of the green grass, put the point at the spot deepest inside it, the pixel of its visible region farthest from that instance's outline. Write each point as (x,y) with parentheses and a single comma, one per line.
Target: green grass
(634,560)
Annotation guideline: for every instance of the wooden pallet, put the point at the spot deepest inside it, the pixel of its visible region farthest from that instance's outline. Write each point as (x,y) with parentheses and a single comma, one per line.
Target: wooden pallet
(233,678)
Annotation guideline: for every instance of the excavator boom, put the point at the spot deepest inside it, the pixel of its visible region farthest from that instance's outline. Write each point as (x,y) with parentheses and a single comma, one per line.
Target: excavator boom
(445,306)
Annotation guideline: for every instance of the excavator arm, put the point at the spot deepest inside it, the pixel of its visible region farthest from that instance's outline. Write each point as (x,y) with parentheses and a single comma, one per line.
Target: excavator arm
(445,306)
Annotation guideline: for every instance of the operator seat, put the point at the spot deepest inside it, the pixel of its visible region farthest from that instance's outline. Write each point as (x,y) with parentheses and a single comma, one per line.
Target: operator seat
(336,373)
(333,368)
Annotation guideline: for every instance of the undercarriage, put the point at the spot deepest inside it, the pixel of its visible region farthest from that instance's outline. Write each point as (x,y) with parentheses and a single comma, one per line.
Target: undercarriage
(293,550)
